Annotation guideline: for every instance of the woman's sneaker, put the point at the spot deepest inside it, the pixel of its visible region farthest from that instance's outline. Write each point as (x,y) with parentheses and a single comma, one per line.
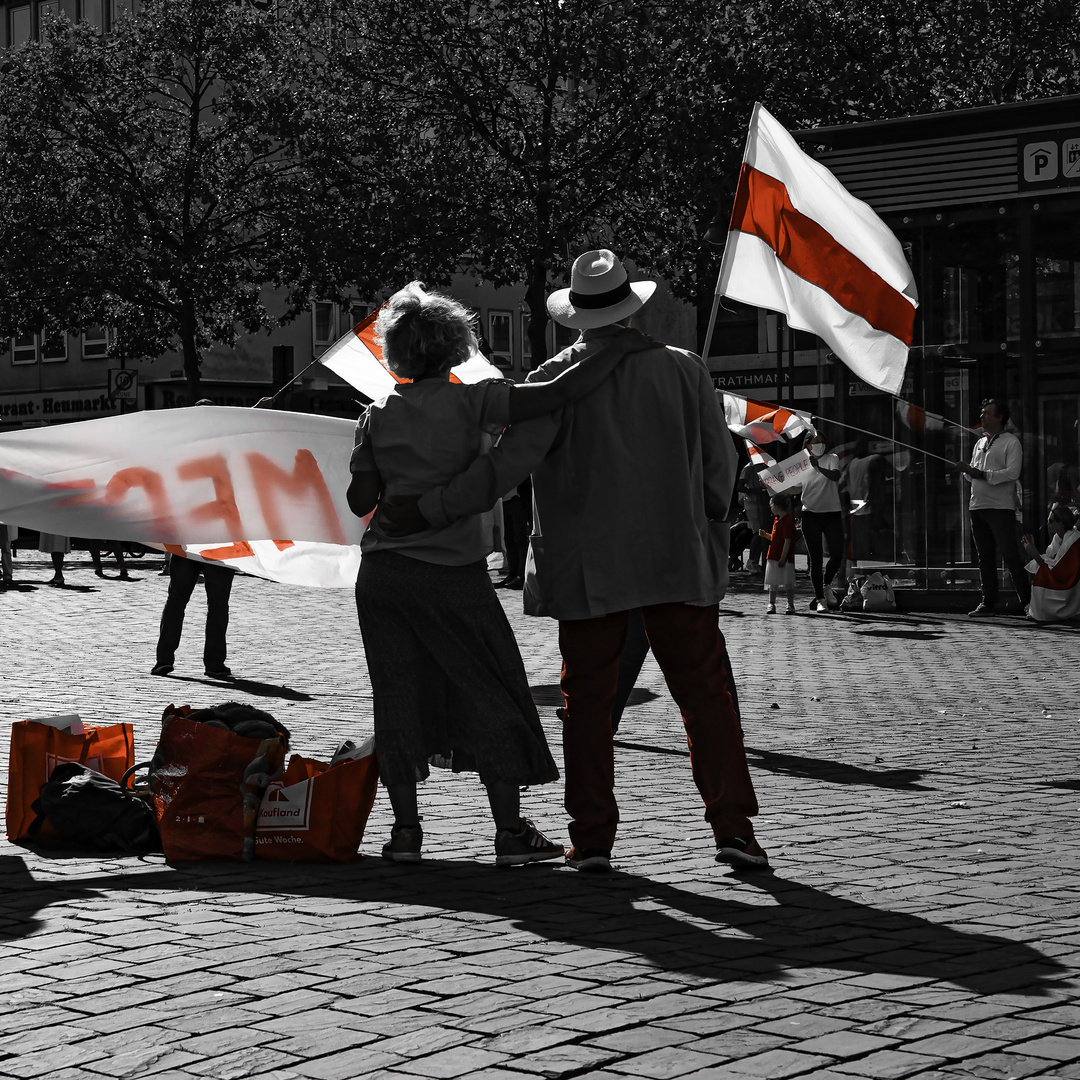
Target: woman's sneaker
(589,860)
(528,844)
(742,853)
(404,845)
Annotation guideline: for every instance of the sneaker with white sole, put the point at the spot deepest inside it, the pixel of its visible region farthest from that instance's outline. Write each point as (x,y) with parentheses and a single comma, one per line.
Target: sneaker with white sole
(404,844)
(589,860)
(743,853)
(528,844)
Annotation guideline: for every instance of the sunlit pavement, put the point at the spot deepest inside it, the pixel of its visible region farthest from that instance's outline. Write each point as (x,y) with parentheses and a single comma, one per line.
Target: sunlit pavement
(919,788)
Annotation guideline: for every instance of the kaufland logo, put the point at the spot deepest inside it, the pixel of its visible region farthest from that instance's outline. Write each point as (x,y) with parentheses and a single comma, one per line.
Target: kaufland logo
(286,807)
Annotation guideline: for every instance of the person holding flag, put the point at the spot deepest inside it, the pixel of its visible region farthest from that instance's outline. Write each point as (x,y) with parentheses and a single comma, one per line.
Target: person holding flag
(996,462)
(822,518)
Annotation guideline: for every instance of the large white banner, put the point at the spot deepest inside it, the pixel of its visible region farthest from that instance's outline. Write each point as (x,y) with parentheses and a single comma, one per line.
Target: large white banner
(261,490)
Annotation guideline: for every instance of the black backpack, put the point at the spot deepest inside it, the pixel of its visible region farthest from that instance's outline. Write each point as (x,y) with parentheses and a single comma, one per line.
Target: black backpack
(90,810)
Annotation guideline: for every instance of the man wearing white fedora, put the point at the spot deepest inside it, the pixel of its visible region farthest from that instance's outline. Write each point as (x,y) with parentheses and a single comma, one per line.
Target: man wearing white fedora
(632,485)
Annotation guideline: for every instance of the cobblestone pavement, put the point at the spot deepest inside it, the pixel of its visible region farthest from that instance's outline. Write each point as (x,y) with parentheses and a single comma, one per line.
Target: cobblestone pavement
(919,790)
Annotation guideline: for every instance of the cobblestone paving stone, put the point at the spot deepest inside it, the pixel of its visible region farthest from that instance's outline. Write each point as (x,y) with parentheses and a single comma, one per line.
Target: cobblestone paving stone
(918,781)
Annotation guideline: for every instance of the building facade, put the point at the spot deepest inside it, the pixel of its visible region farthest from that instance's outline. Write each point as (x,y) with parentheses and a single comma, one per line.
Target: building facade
(986,203)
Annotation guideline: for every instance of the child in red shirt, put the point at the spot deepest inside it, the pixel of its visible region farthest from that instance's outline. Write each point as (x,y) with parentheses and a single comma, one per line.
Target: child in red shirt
(780,560)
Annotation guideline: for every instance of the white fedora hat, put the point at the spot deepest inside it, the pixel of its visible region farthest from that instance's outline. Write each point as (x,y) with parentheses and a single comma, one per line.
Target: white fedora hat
(600,293)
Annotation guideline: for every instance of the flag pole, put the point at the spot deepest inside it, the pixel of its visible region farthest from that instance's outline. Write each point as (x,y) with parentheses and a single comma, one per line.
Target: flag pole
(727,244)
(712,322)
(293,379)
(886,438)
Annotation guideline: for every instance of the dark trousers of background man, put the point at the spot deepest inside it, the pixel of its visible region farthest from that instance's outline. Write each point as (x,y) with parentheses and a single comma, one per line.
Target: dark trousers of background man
(690,650)
(994,533)
(183,576)
(814,526)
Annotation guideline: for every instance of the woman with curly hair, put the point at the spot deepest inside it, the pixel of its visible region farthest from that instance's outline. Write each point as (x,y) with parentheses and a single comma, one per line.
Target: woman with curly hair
(447,679)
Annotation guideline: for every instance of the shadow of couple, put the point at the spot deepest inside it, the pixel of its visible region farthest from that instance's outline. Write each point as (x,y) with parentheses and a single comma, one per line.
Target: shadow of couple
(765,925)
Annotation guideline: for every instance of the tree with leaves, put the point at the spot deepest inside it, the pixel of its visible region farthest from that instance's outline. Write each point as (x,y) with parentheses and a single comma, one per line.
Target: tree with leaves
(160,180)
(521,133)
(518,135)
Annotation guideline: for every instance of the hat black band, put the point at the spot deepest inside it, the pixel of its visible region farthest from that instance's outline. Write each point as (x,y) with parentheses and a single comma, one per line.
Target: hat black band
(601,300)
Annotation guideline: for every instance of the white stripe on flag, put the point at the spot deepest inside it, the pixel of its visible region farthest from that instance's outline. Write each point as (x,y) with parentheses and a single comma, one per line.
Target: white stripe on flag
(757,277)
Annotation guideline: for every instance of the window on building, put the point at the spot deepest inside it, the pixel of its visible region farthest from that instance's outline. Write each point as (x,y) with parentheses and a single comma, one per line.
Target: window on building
(53,347)
(19,26)
(47,10)
(562,337)
(24,350)
(358,312)
(92,11)
(323,323)
(500,338)
(95,343)
(526,345)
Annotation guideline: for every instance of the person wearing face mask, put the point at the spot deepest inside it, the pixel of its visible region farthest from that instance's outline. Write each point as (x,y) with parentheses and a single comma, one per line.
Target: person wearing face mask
(822,519)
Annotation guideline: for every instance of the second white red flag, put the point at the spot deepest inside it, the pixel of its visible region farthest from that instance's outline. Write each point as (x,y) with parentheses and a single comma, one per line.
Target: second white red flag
(800,243)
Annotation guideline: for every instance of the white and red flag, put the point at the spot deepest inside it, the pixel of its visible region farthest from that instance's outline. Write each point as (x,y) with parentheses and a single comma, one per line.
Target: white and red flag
(917,419)
(761,422)
(357,358)
(801,244)
(1055,592)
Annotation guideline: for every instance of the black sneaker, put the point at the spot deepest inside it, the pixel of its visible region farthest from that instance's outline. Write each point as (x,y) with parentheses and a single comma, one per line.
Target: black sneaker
(219,673)
(742,853)
(404,844)
(161,669)
(526,845)
(983,609)
(589,860)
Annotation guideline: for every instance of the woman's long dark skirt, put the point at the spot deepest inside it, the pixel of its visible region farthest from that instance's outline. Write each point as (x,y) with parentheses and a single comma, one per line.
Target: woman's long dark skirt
(446,674)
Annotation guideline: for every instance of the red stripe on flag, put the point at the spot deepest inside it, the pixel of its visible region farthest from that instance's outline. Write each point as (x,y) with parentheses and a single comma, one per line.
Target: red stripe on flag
(365,331)
(762,209)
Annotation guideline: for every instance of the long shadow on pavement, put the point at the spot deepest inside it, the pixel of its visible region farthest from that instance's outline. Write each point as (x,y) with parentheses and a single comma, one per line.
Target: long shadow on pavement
(248,686)
(694,932)
(832,772)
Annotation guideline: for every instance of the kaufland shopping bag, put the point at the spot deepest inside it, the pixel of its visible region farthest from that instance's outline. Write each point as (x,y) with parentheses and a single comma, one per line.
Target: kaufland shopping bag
(37,748)
(206,783)
(317,812)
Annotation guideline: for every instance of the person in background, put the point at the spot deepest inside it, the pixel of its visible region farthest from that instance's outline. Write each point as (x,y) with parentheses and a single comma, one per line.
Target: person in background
(780,558)
(55,546)
(183,577)
(517,517)
(996,462)
(117,552)
(8,535)
(755,501)
(1055,592)
(822,518)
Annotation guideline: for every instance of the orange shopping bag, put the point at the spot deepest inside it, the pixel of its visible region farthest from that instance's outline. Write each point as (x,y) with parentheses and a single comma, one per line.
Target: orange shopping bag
(36,749)
(317,812)
(206,782)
